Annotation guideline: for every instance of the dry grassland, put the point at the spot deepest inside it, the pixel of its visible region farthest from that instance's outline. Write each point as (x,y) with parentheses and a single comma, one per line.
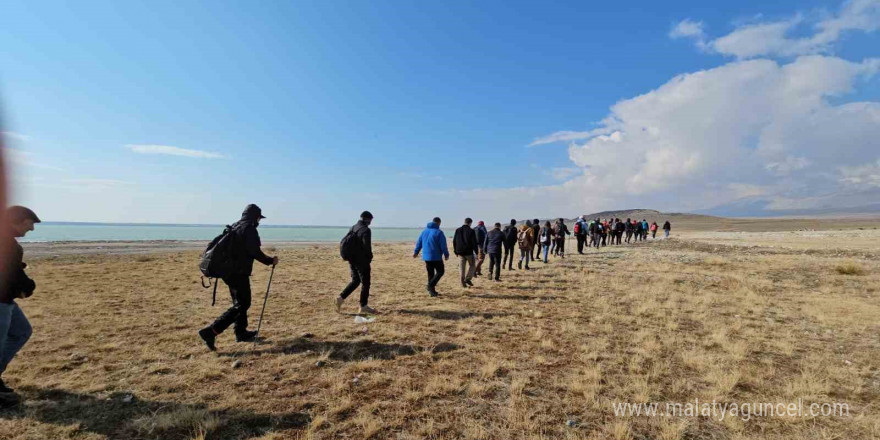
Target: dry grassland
(541,355)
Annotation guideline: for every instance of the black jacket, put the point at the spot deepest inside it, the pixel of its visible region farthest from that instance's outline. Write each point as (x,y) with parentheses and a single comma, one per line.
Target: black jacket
(464,242)
(494,241)
(561,230)
(667,226)
(247,244)
(481,233)
(510,233)
(18,284)
(362,232)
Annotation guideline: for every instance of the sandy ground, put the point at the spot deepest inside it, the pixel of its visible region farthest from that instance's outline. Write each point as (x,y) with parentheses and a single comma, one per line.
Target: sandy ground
(544,354)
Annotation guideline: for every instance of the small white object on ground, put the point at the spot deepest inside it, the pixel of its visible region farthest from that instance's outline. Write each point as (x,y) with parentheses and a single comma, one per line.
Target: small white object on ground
(363,320)
(236,364)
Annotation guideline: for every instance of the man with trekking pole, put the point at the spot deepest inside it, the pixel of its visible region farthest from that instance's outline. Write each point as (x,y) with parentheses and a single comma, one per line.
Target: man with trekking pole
(243,250)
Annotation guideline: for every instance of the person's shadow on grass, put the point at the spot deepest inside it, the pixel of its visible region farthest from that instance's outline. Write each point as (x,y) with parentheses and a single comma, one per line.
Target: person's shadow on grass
(124,416)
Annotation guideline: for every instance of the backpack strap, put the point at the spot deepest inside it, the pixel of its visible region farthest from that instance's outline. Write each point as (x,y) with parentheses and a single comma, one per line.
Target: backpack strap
(214,295)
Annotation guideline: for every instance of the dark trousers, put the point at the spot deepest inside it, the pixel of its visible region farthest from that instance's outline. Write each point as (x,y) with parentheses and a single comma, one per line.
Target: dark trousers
(436,269)
(629,234)
(240,291)
(495,265)
(581,239)
(618,235)
(508,256)
(360,275)
(596,239)
(560,246)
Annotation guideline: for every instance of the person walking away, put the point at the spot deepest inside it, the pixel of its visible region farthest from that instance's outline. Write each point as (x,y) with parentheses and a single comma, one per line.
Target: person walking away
(553,241)
(653,230)
(630,228)
(645,227)
(580,233)
(561,232)
(495,240)
(639,230)
(619,230)
(509,242)
(245,249)
(525,239)
(545,238)
(480,232)
(666,228)
(15,330)
(606,231)
(464,244)
(359,265)
(536,228)
(432,245)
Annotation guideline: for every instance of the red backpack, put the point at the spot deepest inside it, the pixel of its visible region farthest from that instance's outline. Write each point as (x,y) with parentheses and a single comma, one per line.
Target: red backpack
(577,228)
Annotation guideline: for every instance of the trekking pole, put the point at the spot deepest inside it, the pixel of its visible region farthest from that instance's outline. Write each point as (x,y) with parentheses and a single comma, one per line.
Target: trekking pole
(265,300)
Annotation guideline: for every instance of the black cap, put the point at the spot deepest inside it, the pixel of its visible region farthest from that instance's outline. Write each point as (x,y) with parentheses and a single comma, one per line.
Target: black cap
(19,213)
(367,214)
(252,212)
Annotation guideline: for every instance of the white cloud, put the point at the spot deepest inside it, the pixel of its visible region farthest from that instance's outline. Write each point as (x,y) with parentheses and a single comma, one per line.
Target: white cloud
(174,151)
(687,29)
(16,136)
(753,128)
(773,38)
(864,176)
(565,136)
(564,173)
(26,159)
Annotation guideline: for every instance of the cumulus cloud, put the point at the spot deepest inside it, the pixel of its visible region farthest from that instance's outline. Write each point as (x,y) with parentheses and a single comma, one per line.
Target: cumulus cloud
(774,38)
(174,151)
(754,128)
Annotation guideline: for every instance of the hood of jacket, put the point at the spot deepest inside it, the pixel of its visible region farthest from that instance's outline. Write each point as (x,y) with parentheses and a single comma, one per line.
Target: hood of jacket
(432,225)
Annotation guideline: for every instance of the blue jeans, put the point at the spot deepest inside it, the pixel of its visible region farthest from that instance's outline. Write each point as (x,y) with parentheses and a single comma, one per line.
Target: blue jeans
(15,330)
(546,248)
(666,231)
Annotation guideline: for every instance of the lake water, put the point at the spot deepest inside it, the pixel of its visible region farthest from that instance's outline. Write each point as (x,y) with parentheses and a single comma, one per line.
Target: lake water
(51,231)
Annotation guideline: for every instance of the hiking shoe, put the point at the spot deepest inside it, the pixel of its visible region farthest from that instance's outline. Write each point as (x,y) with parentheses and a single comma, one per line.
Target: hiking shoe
(207,335)
(464,285)
(434,294)
(246,336)
(519,265)
(497,279)
(469,283)
(339,300)
(367,310)
(4,388)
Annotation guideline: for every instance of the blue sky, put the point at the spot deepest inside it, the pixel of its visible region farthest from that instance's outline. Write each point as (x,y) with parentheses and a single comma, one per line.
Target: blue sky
(183,112)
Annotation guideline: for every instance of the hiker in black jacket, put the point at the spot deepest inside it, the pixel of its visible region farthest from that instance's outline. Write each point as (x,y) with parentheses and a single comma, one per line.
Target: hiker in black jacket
(561,231)
(15,330)
(509,243)
(536,229)
(464,244)
(246,249)
(629,228)
(495,241)
(480,232)
(360,265)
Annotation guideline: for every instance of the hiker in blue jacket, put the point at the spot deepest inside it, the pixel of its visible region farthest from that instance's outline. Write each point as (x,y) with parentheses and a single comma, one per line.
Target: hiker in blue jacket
(432,244)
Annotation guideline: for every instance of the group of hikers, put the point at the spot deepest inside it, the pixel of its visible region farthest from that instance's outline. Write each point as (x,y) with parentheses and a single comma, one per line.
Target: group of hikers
(596,233)
(241,247)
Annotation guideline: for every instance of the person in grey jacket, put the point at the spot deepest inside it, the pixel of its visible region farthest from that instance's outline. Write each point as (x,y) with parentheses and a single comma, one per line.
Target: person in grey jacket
(481,232)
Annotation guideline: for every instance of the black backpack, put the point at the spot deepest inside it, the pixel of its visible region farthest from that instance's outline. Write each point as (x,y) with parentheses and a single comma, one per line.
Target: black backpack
(350,247)
(218,259)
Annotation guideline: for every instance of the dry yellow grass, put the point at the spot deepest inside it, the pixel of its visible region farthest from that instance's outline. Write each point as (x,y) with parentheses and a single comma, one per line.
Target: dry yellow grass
(543,354)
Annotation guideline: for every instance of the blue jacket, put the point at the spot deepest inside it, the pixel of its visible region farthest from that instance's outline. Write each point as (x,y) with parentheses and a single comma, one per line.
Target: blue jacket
(432,243)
